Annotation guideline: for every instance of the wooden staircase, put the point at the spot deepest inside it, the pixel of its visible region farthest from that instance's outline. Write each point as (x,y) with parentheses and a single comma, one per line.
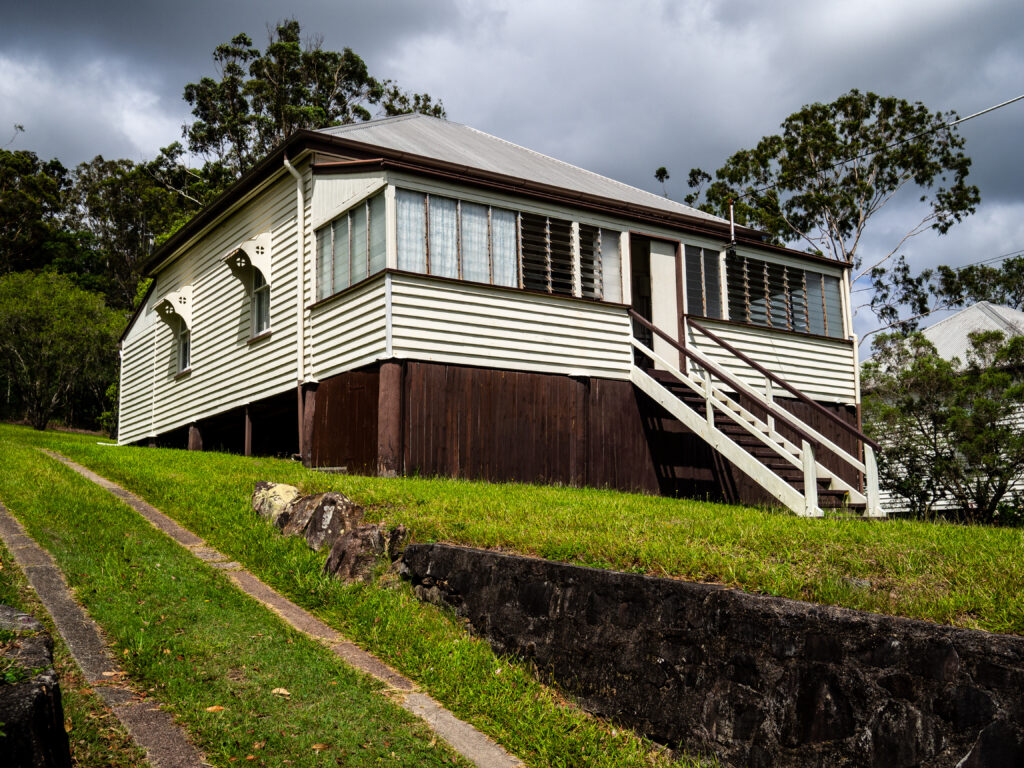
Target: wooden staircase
(772,446)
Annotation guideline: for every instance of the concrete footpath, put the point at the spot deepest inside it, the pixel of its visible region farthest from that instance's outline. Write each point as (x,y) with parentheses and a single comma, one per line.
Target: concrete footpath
(154,730)
(463,737)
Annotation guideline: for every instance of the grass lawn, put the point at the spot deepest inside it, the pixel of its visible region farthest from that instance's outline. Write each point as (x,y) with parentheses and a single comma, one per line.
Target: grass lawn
(97,738)
(188,638)
(969,577)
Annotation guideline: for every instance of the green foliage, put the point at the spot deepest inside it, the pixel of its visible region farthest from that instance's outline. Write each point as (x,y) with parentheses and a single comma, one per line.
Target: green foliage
(952,442)
(56,340)
(263,97)
(944,287)
(31,210)
(834,166)
(123,206)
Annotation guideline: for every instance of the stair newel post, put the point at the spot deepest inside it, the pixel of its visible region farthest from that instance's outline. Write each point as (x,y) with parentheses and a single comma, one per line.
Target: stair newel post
(770,398)
(874,507)
(707,398)
(810,480)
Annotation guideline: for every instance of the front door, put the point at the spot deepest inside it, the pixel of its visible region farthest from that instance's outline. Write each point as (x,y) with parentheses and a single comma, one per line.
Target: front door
(655,286)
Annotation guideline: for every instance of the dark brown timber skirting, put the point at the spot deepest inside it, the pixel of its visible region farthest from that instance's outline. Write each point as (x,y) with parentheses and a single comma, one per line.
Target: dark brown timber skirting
(389,419)
(484,423)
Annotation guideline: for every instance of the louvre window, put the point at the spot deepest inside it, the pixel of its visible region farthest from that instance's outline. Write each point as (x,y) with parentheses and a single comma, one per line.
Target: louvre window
(599,255)
(350,248)
(703,282)
(784,297)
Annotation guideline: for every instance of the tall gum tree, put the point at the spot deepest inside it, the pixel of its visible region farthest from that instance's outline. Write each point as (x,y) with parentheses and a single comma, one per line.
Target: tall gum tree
(833,167)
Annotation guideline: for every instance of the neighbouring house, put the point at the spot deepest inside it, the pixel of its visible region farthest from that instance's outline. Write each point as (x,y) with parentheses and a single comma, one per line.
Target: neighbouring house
(951,338)
(413,296)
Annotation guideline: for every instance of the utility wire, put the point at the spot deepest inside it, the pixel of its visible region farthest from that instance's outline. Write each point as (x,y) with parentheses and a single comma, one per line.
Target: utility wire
(896,143)
(1004,257)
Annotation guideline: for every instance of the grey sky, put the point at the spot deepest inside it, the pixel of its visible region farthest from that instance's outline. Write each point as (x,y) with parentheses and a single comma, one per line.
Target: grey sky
(618,88)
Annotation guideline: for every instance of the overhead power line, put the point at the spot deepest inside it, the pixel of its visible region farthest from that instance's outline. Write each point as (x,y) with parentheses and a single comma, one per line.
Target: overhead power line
(896,143)
(990,260)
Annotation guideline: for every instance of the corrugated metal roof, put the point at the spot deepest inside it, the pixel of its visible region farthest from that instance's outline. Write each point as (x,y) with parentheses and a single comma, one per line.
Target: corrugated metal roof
(949,335)
(459,144)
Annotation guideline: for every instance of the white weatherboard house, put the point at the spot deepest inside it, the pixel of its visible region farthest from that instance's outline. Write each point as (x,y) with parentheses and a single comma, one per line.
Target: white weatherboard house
(411,295)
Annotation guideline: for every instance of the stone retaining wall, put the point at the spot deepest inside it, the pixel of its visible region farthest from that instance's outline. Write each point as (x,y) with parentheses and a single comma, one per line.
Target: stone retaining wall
(758,681)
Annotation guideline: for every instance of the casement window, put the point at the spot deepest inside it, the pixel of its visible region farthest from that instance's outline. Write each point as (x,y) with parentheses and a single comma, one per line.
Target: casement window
(183,343)
(484,244)
(703,282)
(260,304)
(350,248)
(457,239)
(781,296)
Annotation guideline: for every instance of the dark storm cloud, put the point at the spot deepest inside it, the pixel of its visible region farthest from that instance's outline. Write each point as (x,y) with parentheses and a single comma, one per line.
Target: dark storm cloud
(618,88)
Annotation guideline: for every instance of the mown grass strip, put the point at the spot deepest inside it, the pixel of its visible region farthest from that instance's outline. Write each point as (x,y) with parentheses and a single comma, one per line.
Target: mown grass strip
(192,641)
(965,576)
(498,696)
(97,738)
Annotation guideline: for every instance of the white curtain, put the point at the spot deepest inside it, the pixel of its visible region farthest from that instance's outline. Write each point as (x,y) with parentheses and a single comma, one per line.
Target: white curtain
(324,260)
(503,247)
(412,231)
(358,219)
(341,273)
(378,253)
(475,262)
(611,265)
(443,237)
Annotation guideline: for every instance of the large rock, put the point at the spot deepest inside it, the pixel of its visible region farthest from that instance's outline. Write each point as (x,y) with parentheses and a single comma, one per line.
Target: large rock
(333,514)
(274,501)
(356,552)
(30,710)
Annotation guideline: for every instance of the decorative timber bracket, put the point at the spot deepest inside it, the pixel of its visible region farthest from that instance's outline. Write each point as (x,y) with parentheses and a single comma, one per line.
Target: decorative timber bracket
(176,304)
(254,252)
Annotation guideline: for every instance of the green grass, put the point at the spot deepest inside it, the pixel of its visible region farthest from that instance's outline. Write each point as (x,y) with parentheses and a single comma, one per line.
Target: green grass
(97,738)
(970,577)
(499,696)
(189,639)
(967,576)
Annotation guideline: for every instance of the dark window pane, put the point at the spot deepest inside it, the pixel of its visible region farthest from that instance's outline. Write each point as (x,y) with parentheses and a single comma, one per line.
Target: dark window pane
(833,307)
(535,252)
(815,304)
(712,285)
(736,287)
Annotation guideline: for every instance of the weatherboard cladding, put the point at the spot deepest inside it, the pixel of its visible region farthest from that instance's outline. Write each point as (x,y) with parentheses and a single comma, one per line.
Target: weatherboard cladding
(823,369)
(226,370)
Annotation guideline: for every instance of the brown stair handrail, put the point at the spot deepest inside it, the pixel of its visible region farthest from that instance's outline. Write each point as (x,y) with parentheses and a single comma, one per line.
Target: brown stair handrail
(777,412)
(774,378)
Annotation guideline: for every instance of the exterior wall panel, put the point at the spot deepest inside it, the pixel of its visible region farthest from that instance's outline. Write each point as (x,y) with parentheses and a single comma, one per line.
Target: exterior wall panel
(823,369)
(466,324)
(349,331)
(228,369)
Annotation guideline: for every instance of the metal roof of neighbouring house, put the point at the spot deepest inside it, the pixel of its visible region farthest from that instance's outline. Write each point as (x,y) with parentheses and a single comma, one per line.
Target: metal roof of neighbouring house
(459,144)
(950,335)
